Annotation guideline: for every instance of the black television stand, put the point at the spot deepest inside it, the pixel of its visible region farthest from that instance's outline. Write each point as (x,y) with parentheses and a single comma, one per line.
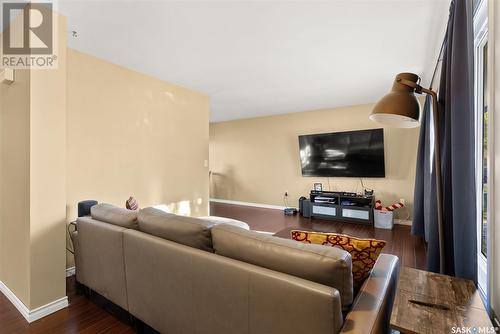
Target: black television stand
(340,206)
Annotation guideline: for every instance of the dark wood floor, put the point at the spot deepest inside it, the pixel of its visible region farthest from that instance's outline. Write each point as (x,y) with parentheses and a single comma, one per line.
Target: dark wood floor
(90,316)
(82,316)
(410,249)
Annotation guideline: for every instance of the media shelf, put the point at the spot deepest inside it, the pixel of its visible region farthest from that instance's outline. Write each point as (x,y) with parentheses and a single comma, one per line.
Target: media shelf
(340,206)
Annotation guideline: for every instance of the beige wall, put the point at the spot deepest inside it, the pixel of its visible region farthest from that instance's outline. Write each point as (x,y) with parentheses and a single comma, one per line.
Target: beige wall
(15,185)
(90,129)
(32,176)
(132,134)
(256,160)
(48,180)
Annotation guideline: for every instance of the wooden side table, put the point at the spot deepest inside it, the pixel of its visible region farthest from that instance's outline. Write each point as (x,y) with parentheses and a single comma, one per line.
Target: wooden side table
(431,303)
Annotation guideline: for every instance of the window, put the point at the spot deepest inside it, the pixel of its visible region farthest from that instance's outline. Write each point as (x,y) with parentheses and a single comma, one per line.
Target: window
(483,151)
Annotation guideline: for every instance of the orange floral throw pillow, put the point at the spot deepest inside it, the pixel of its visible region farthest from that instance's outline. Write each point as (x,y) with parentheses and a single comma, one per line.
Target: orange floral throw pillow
(364,252)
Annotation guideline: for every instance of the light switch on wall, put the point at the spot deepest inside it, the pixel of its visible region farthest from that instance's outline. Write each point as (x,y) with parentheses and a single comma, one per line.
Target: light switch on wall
(7,76)
(205,163)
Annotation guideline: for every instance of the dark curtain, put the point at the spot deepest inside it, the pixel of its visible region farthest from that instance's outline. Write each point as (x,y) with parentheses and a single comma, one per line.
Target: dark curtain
(456,128)
(424,203)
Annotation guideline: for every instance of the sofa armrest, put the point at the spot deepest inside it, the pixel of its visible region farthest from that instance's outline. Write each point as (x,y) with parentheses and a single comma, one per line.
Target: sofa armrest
(371,310)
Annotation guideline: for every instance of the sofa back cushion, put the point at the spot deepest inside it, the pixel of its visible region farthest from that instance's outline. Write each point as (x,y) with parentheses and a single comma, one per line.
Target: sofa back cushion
(180,289)
(189,231)
(111,214)
(326,265)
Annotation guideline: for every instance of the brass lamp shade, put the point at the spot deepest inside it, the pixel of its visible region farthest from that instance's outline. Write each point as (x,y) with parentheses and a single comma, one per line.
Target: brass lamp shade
(400,108)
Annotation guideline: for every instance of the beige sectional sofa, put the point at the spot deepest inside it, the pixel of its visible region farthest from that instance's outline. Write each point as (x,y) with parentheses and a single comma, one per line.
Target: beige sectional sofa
(188,275)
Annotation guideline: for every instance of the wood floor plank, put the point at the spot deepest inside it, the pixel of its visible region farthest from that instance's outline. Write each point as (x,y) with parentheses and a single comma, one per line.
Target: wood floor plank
(81,316)
(410,249)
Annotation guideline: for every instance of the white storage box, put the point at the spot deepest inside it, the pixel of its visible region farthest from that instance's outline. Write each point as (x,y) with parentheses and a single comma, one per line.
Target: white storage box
(383,219)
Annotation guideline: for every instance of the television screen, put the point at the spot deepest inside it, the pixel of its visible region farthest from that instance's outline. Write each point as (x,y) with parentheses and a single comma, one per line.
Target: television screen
(345,154)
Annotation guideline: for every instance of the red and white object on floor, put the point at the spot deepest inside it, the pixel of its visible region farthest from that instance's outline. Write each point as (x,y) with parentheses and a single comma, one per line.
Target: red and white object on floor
(392,207)
(384,216)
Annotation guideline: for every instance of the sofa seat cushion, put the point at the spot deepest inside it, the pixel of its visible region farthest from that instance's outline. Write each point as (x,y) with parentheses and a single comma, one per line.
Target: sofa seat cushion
(189,231)
(326,265)
(223,220)
(111,214)
(364,252)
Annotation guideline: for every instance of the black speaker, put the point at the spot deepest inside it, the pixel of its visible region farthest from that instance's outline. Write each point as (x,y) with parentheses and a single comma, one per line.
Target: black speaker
(301,201)
(84,207)
(306,208)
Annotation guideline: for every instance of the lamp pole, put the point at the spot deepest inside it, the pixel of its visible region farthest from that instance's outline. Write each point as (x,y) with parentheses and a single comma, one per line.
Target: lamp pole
(437,165)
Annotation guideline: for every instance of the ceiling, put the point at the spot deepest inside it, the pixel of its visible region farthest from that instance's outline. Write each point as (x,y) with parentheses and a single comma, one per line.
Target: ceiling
(260,58)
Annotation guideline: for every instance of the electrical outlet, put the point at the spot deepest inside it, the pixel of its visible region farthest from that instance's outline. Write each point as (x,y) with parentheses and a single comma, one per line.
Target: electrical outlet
(402,201)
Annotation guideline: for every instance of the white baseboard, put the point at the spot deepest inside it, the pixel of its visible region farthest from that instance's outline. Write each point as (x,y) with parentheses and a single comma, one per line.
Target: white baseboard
(405,222)
(277,207)
(35,314)
(47,309)
(70,271)
(256,205)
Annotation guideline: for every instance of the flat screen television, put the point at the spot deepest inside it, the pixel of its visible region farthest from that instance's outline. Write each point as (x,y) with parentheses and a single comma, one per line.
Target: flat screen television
(343,154)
